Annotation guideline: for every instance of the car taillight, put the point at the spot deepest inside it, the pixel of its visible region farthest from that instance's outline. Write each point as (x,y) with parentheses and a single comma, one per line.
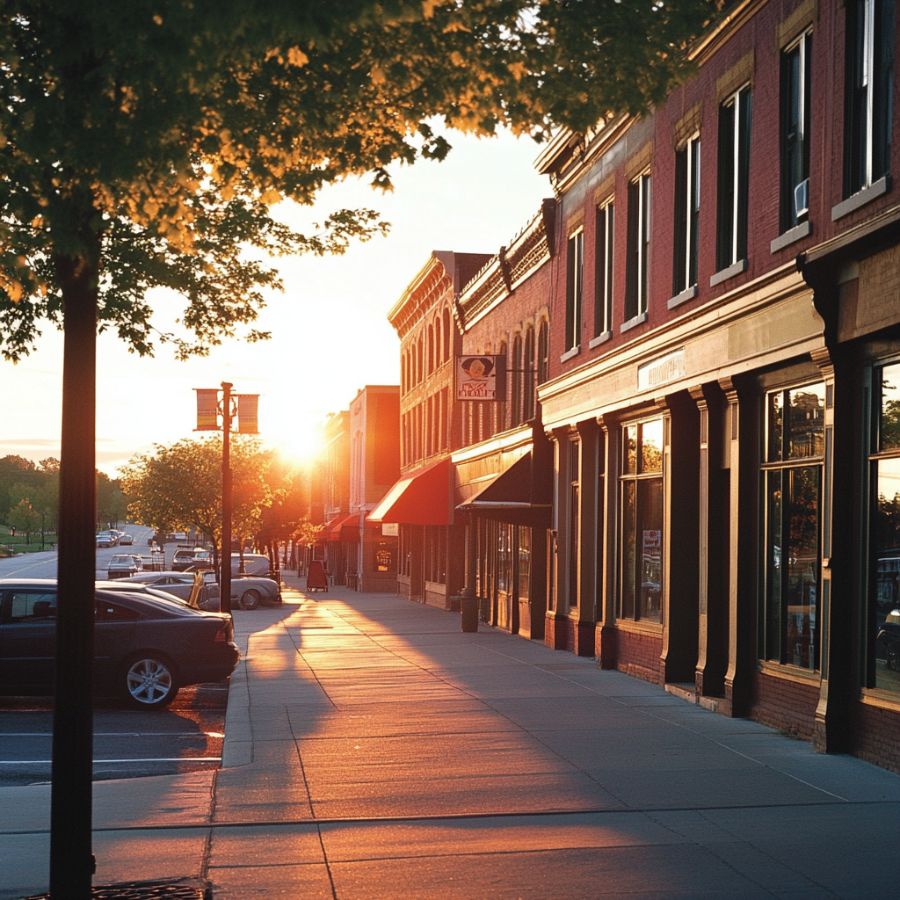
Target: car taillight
(222,634)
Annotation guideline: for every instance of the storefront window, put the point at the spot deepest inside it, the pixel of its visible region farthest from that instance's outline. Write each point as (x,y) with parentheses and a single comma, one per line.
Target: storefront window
(885,619)
(792,475)
(504,558)
(642,521)
(524,557)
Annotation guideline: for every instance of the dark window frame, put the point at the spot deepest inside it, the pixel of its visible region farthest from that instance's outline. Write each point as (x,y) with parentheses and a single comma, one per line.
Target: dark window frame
(735,118)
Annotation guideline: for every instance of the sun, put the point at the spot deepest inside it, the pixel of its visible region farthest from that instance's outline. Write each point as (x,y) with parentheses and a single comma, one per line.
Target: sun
(297,444)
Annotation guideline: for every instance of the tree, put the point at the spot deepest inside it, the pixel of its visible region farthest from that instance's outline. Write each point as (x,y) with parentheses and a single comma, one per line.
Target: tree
(23,517)
(142,143)
(180,487)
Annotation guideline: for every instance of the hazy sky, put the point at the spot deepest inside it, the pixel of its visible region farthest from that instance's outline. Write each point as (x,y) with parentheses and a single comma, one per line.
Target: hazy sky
(330,331)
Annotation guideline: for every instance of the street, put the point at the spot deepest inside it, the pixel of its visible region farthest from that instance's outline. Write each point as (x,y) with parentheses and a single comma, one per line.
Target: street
(128,743)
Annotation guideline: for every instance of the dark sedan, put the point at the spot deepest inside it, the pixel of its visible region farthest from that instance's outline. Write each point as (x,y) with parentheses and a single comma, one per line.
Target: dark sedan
(145,647)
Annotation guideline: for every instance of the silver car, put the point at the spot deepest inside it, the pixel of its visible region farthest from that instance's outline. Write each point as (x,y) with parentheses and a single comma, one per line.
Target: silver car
(247,592)
(184,585)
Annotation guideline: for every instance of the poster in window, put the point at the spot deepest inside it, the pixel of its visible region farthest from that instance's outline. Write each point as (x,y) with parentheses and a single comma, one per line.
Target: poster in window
(384,557)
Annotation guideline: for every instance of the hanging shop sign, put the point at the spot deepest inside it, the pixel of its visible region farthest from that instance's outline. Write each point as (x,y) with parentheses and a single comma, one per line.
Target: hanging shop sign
(481,377)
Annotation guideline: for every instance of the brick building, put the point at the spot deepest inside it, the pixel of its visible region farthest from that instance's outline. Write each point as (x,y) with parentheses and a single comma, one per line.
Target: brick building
(503,475)
(723,395)
(431,542)
(374,467)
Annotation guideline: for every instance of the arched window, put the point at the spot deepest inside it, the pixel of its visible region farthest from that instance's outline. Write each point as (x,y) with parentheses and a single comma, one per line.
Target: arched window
(429,349)
(445,334)
(516,395)
(502,405)
(528,375)
(420,369)
(543,362)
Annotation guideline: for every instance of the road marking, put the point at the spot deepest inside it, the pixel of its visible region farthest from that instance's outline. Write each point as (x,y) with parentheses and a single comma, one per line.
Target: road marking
(136,734)
(152,759)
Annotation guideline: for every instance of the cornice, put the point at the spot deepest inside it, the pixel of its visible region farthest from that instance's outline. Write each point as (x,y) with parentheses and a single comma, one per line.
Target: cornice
(766,291)
(569,154)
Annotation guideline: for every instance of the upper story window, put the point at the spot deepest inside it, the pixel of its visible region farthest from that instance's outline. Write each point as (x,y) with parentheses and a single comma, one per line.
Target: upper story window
(574,284)
(528,400)
(543,353)
(687,214)
(734,178)
(795,109)
(869,79)
(517,382)
(638,246)
(603,262)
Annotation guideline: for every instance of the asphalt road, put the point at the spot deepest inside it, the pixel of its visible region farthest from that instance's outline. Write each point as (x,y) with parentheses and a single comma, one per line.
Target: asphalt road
(128,743)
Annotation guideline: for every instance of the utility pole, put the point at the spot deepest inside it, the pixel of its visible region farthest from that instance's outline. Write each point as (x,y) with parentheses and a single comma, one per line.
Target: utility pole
(225,562)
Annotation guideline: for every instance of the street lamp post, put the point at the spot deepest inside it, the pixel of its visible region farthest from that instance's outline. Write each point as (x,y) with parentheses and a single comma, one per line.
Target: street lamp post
(209,409)
(225,561)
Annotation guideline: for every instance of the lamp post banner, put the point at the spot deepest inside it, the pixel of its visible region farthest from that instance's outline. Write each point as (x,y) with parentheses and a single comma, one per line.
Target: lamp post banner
(207,409)
(248,413)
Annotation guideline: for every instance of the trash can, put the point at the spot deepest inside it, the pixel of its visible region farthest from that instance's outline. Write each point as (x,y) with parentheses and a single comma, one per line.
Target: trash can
(468,607)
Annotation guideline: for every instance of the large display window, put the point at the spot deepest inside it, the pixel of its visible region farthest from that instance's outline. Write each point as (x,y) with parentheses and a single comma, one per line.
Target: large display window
(792,479)
(641,486)
(884,616)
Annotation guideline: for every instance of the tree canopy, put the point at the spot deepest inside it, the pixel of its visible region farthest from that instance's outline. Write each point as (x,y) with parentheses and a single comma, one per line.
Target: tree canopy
(179,487)
(142,144)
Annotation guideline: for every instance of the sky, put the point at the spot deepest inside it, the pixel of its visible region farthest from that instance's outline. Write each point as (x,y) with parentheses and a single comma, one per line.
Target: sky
(330,334)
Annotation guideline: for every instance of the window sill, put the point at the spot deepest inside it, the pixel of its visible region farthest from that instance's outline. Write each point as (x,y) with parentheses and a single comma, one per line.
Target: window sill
(639,319)
(683,297)
(571,352)
(730,272)
(880,698)
(790,673)
(601,338)
(860,198)
(639,626)
(802,230)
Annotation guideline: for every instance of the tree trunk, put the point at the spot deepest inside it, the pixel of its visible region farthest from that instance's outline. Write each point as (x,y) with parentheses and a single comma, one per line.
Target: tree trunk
(71,861)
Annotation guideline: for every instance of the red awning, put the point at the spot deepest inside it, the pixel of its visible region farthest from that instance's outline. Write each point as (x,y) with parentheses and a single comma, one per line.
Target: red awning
(422,498)
(343,528)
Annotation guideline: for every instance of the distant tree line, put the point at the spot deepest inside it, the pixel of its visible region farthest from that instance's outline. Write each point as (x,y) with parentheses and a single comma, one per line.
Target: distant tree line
(29,496)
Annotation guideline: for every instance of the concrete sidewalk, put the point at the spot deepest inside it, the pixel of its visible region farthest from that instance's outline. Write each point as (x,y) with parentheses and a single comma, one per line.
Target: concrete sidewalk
(374,750)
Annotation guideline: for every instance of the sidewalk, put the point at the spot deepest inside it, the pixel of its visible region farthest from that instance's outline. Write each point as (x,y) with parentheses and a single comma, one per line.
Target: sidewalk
(372,749)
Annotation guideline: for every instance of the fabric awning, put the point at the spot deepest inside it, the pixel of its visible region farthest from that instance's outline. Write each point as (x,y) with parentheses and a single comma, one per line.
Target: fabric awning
(343,528)
(510,497)
(422,498)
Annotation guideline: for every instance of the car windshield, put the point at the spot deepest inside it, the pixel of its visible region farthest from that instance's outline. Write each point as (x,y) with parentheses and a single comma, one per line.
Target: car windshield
(121,558)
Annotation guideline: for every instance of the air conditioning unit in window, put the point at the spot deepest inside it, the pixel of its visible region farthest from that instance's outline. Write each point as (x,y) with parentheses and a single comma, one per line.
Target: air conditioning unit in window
(801,198)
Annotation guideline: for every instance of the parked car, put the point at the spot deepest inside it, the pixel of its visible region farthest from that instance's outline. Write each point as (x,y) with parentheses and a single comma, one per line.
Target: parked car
(181,585)
(106,539)
(185,556)
(126,540)
(124,564)
(247,592)
(146,647)
(254,564)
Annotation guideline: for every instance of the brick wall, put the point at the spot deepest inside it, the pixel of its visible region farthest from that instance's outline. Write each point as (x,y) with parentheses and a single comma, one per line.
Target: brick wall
(786,705)
(638,654)
(877,734)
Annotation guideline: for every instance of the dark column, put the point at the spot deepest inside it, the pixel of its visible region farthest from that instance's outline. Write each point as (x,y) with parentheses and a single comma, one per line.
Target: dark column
(743,458)
(679,653)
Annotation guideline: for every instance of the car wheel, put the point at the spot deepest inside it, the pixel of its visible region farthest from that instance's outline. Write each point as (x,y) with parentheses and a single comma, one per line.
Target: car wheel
(149,681)
(250,599)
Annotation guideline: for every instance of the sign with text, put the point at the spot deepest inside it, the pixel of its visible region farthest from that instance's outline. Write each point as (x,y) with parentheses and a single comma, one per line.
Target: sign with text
(481,377)
(207,409)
